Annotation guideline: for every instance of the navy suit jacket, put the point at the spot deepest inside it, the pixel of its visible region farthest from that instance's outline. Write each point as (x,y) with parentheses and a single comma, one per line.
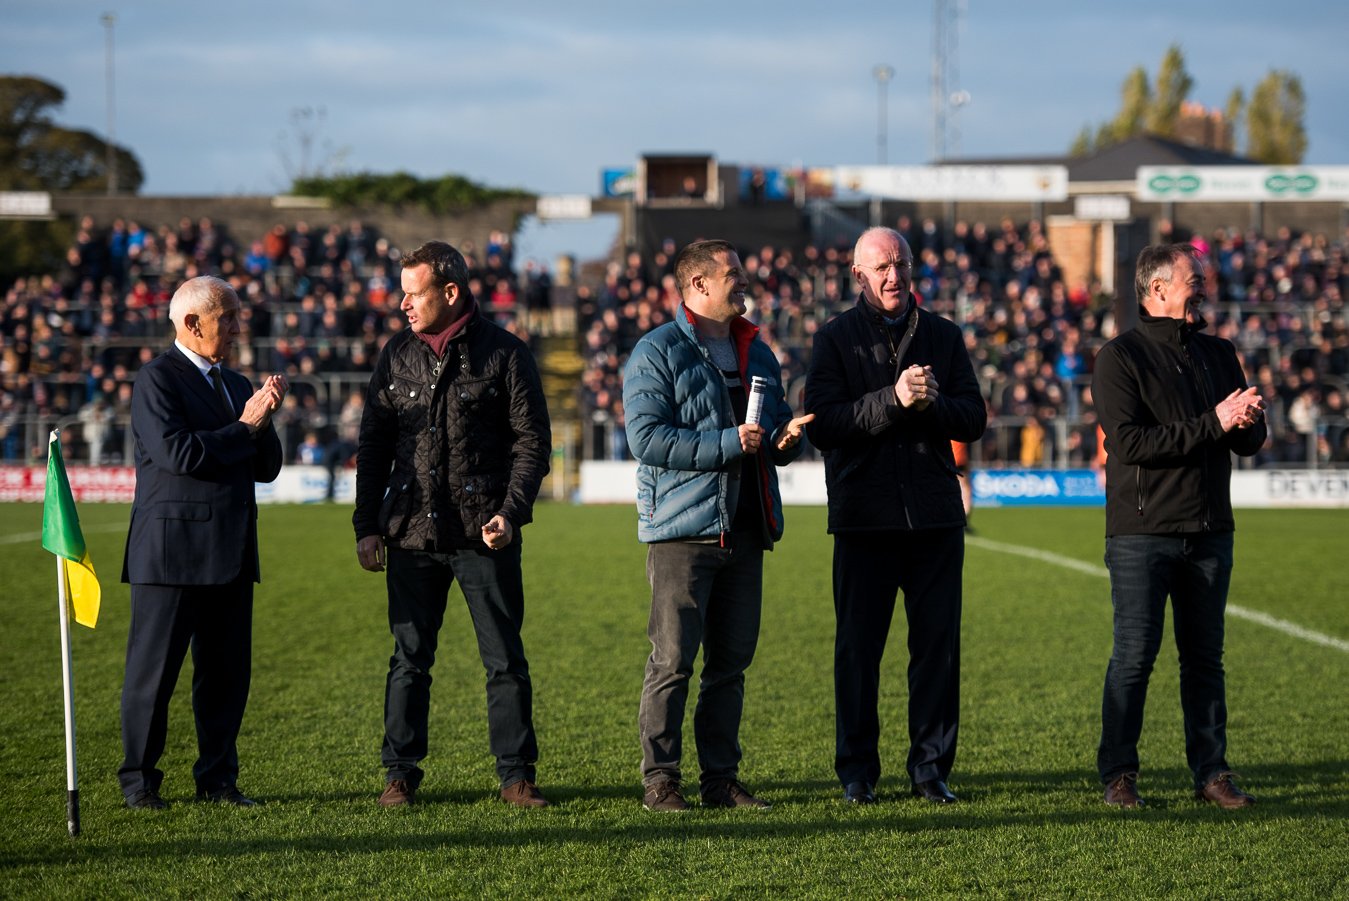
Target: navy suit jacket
(194,518)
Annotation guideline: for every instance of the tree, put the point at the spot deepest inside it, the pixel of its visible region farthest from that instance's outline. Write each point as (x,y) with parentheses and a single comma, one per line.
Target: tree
(1173,89)
(36,154)
(1083,143)
(299,161)
(23,102)
(1275,132)
(1135,103)
(445,195)
(1274,115)
(1233,112)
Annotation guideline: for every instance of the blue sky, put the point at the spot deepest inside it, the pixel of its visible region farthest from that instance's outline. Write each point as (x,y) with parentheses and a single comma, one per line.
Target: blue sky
(543,95)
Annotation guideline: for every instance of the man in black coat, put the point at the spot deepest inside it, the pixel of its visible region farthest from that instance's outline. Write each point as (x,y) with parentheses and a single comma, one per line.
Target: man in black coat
(1174,406)
(454,444)
(203,438)
(891,386)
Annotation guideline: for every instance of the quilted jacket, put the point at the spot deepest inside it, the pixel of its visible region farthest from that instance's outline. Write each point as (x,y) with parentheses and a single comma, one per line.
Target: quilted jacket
(682,430)
(447,444)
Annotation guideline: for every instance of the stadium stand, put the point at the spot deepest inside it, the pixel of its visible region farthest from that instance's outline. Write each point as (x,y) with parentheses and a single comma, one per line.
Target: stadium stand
(320,303)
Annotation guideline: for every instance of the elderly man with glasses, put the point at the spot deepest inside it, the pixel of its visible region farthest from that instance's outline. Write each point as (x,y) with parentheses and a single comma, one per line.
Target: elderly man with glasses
(891,386)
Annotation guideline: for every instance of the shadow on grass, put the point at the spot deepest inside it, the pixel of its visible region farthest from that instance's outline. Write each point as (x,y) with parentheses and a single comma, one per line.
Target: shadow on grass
(1323,786)
(801,810)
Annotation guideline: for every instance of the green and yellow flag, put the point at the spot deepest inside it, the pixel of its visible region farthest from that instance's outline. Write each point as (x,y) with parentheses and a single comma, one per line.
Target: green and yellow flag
(62,536)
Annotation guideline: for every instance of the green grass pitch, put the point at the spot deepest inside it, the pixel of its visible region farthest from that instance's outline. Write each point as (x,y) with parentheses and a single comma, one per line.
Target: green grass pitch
(1035,644)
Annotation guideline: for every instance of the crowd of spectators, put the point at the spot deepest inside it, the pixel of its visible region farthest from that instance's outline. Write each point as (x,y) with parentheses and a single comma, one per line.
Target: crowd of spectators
(1032,336)
(320,303)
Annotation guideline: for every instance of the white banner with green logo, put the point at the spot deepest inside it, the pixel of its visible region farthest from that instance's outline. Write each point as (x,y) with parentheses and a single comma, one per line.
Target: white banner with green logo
(1243,183)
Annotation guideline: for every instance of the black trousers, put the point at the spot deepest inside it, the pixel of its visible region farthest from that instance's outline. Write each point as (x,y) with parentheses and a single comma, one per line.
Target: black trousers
(1195,571)
(216,622)
(419,585)
(870,569)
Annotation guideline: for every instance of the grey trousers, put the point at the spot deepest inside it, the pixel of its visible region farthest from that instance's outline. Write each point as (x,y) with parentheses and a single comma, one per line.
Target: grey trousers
(709,596)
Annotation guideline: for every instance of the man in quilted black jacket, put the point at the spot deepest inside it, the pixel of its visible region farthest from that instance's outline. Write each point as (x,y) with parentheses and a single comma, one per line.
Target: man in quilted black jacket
(454,443)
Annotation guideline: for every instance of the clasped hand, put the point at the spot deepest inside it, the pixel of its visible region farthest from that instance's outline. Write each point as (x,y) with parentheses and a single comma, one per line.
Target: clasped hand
(1240,409)
(264,402)
(916,388)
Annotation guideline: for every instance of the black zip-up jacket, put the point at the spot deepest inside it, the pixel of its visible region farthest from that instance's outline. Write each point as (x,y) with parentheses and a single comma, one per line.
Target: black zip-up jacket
(887,467)
(447,444)
(1168,466)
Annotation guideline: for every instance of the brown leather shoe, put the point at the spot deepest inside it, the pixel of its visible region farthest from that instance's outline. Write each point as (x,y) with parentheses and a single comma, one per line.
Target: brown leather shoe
(730,793)
(663,796)
(398,793)
(523,794)
(1221,790)
(1123,792)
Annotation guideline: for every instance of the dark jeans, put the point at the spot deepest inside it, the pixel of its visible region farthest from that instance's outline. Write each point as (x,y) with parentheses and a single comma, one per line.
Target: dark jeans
(870,569)
(419,585)
(1195,571)
(216,622)
(701,594)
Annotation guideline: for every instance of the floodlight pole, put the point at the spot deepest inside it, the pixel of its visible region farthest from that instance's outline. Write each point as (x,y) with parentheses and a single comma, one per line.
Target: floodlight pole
(109,20)
(882,74)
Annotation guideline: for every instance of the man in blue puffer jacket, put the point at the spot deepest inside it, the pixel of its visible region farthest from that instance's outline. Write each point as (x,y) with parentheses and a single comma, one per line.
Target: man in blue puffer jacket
(708,506)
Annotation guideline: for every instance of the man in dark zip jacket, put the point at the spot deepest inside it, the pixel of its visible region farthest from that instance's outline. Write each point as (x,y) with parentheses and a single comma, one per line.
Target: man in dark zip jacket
(891,386)
(1174,406)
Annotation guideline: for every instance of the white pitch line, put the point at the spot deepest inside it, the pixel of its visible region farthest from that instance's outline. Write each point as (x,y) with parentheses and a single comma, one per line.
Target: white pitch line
(1255,616)
(25,537)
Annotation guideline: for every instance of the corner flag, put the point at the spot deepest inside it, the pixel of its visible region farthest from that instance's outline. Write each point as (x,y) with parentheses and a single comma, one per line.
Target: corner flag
(62,536)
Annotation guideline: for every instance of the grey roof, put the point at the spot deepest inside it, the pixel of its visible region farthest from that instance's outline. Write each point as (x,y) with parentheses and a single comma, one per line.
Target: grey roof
(1119,162)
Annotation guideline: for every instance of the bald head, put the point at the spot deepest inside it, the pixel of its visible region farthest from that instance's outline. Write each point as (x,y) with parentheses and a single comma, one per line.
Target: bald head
(882,263)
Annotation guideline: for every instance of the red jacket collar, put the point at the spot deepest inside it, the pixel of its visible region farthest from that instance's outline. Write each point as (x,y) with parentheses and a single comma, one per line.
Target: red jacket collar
(743,333)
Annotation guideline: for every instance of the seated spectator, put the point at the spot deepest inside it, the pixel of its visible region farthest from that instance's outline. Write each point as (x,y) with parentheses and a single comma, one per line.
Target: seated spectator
(311,451)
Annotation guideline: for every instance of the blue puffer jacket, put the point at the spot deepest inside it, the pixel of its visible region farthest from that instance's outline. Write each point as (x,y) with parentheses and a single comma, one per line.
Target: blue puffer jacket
(682,430)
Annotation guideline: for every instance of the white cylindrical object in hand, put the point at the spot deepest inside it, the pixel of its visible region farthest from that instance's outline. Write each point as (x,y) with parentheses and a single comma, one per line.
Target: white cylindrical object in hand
(758,390)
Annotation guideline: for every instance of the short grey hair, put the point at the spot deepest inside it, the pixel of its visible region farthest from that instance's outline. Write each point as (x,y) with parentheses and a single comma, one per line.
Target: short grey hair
(1156,262)
(198,295)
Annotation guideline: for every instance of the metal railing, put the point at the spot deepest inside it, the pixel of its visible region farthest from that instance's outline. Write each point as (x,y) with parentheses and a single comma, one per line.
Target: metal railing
(1012,442)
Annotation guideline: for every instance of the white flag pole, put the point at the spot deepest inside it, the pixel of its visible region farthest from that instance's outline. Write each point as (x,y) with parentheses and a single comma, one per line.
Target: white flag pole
(68,683)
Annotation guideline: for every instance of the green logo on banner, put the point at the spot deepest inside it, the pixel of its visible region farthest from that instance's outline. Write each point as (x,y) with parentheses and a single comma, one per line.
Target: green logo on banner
(1165,184)
(1302,183)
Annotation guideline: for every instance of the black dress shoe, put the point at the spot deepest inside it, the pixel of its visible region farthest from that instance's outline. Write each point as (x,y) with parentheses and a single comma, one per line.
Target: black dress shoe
(859,793)
(230,795)
(146,799)
(935,791)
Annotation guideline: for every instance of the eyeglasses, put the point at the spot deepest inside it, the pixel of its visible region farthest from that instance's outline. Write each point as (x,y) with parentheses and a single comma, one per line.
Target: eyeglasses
(883,270)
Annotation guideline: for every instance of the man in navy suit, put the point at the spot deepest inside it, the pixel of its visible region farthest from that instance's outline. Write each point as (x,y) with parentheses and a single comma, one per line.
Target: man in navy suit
(203,438)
